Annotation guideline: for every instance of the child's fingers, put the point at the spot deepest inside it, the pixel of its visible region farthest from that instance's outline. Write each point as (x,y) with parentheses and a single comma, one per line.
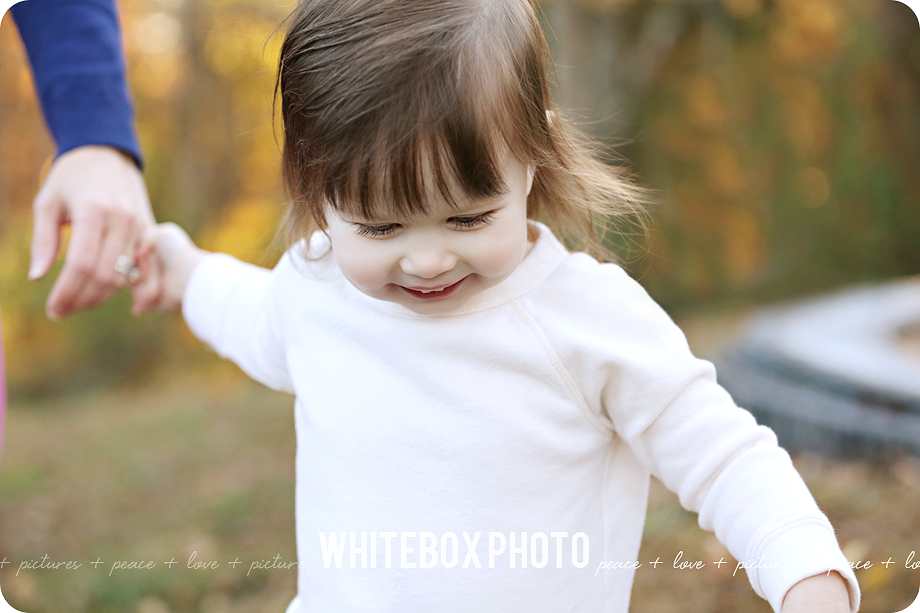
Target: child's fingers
(146,248)
(147,292)
(144,256)
(172,241)
(165,257)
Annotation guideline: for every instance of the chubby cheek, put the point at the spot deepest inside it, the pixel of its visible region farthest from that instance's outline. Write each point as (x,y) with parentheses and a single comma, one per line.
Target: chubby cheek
(496,259)
(365,269)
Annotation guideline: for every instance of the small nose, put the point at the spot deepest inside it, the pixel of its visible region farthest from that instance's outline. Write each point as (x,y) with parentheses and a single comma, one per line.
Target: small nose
(427,258)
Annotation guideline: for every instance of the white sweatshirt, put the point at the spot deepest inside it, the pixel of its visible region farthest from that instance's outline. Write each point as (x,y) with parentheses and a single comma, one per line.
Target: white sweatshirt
(492,458)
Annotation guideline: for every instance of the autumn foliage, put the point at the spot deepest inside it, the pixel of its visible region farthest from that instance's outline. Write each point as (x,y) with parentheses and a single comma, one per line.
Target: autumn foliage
(781,139)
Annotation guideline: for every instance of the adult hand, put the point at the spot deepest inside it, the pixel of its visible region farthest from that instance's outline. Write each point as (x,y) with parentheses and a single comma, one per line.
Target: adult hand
(101,193)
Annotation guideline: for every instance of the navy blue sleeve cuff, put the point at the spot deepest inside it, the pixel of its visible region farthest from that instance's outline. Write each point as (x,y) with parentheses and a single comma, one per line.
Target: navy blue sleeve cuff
(78,115)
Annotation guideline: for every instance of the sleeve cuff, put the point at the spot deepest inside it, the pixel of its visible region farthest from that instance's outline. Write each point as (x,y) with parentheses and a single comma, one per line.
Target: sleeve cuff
(806,549)
(79,115)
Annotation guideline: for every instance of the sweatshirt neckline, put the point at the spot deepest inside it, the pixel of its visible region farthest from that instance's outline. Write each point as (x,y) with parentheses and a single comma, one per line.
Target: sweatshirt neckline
(546,254)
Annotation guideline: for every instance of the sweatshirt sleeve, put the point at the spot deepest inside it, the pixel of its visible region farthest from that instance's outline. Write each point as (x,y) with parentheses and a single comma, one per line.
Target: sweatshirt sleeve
(640,379)
(74,47)
(231,306)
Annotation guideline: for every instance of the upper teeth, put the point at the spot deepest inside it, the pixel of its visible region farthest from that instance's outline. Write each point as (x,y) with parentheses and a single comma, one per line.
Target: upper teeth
(428,291)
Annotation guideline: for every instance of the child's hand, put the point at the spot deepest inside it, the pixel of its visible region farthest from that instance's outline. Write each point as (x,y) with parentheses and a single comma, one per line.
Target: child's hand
(166,259)
(825,593)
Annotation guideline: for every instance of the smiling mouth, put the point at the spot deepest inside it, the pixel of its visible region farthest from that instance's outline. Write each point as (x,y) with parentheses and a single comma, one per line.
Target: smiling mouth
(433,293)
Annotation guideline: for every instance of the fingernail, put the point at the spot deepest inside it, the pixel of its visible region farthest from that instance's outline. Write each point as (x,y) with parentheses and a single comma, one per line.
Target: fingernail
(55,317)
(35,271)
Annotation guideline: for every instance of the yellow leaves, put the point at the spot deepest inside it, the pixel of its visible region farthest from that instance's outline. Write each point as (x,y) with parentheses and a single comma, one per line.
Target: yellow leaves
(240,50)
(729,231)
(158,34)
(271,51)
(703,130)
(35,345)
(808,28)
(744,248)
(261,163)
(11,317)
(744,8)
(245,230)
(159,78)
(738,8)
(603,5)
(704,136)
(874,578)
(32,342)
(154,43)
(705,106)
(807,118)
(814,187)
(725,175)
(675,138)
(13,251)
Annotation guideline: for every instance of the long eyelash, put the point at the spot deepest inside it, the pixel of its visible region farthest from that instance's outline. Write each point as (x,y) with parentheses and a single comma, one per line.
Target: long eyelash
(375,231)
(474,221)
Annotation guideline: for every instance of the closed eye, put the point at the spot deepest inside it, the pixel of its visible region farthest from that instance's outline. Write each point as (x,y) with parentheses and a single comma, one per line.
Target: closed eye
(468,222)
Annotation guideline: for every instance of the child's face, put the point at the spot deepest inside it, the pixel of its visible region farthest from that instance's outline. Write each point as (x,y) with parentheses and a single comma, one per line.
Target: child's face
(435,262)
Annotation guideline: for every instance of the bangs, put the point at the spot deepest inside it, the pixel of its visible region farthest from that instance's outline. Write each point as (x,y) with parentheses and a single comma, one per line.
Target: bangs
(398,175)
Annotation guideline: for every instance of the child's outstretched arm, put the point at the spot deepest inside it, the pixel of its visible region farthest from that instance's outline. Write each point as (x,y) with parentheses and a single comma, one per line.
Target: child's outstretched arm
(644,385)
(228,304)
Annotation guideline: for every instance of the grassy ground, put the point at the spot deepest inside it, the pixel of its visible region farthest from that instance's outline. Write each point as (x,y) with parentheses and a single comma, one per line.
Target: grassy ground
(203,464)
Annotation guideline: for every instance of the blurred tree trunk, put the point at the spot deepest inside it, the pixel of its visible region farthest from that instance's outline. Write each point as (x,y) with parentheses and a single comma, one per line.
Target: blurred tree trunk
(605,56)
(204,166)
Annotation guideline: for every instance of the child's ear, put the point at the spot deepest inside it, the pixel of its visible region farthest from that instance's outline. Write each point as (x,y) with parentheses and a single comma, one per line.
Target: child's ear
(530,173)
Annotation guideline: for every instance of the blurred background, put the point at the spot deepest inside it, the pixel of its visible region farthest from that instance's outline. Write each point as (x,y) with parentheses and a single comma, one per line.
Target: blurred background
(781,139)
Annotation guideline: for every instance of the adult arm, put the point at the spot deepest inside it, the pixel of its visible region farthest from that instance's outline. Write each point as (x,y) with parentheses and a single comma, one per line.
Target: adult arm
(95,184)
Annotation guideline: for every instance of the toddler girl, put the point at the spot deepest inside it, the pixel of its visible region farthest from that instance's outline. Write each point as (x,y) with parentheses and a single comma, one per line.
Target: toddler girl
(478,409)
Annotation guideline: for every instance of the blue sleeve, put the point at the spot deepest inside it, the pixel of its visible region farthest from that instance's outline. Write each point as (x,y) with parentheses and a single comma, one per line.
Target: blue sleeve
(75,50)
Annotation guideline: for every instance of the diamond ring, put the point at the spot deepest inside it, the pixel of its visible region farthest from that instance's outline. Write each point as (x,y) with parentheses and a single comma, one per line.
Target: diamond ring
(125,266)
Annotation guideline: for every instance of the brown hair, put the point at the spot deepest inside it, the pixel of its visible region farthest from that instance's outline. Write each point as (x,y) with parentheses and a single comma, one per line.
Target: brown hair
(381,99)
